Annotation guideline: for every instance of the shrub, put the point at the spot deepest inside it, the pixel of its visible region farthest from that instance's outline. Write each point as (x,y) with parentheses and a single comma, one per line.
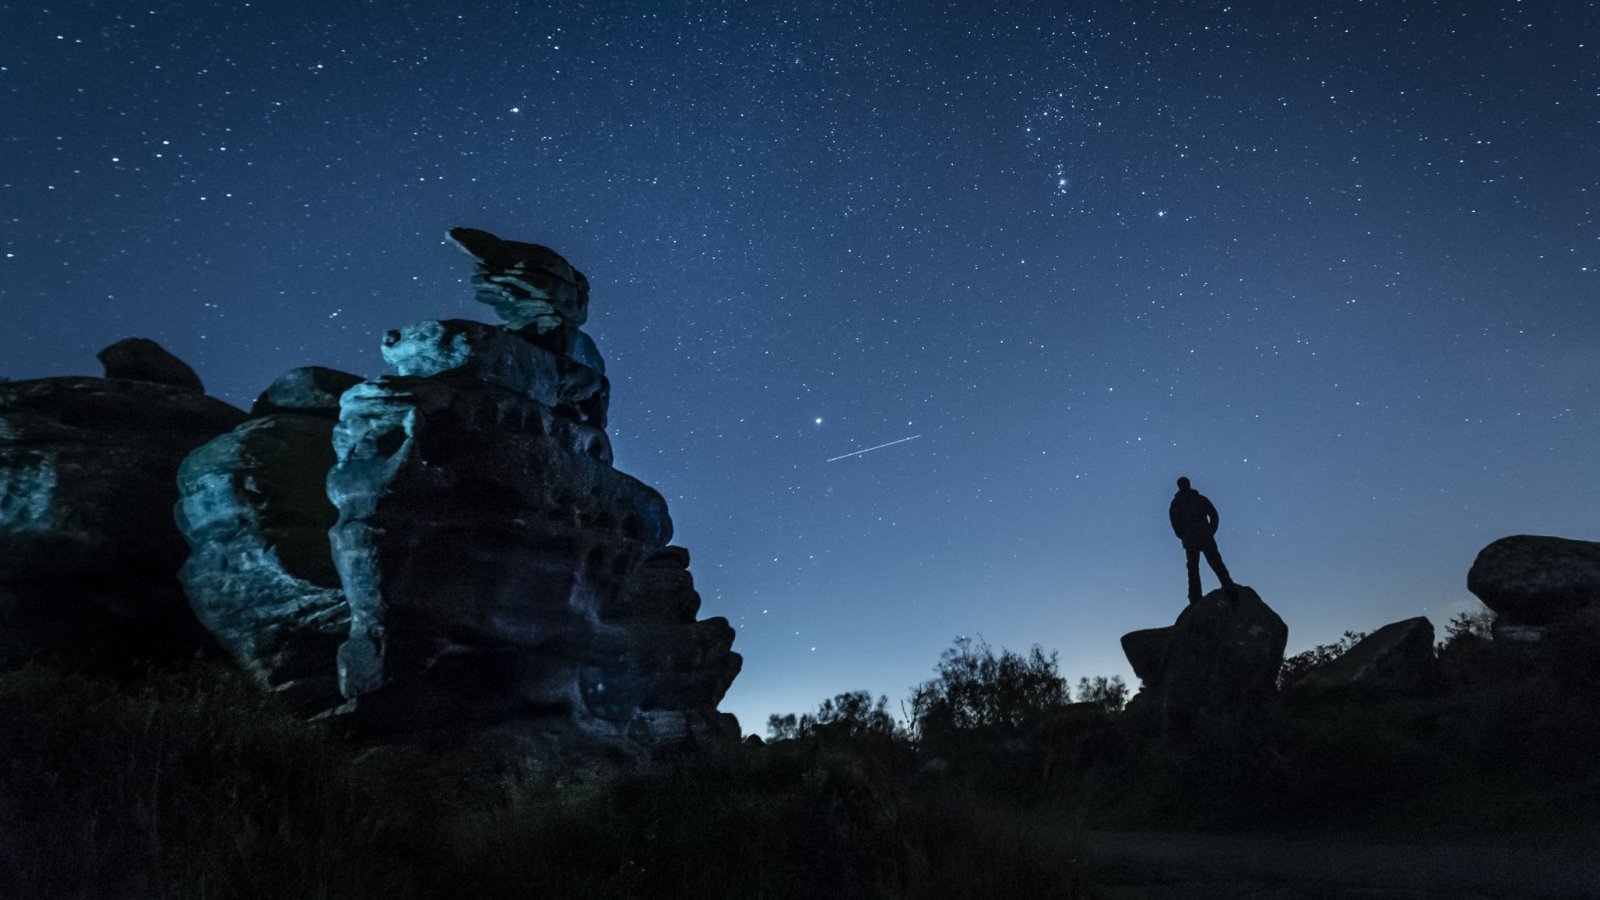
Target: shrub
(851,714)
(977,689)
(1110,693)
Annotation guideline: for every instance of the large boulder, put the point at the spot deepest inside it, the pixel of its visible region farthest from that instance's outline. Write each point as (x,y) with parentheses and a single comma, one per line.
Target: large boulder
(1534,581)
(88,550)
(1396,659)
(260,573)
(141,359)
(1222,655)
(479,535)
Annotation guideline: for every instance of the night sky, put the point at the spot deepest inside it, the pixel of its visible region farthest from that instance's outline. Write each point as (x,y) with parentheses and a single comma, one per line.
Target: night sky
(1338,262)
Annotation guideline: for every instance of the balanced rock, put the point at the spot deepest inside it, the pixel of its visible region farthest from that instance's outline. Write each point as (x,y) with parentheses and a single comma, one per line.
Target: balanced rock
(1221,655)
(571,381)
(479,535)
(529,285)
(260,575)
(1534,581)
(1396,659)
(88,550)
(141,359)
(308,390)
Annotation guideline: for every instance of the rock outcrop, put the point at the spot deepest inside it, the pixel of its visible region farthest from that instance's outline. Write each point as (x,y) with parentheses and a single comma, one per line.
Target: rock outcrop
(260,574)
(1220,657)
(141,359)
(88,549)
(1532,581)
(442,557)
(493,560)
(1396,659)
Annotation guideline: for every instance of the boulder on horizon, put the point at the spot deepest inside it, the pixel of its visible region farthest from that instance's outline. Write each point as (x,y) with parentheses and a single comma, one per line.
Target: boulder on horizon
(141,359)
(1532,581)
(1396,659)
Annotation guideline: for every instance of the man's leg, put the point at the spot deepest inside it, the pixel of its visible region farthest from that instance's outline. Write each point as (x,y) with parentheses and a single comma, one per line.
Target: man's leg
(1192,555)
(1214,558)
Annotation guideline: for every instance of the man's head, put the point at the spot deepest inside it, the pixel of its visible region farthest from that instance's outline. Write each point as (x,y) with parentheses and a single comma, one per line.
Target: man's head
(1183,482)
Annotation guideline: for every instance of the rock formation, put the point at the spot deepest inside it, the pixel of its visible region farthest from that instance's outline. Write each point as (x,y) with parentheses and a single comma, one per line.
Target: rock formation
(1221,656)
(446,554)
(88,550)
(1532,582)
(495,563)
(1395,659)
(255,510)
(141,359)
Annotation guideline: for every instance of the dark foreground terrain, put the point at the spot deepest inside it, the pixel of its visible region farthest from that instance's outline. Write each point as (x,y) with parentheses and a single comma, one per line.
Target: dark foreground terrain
(192,784)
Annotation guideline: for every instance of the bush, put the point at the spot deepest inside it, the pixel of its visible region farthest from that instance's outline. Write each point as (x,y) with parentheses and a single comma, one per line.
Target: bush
(851,714)
(1111,694)
(977,689)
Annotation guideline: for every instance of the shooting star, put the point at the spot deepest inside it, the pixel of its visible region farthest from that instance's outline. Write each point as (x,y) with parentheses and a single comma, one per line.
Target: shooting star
(879,447)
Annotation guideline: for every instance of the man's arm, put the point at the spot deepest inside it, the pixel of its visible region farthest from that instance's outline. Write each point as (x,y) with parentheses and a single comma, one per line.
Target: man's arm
(1211,515)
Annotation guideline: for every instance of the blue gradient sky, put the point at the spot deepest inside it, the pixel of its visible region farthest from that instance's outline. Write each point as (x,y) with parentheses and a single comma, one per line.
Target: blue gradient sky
(1338,262)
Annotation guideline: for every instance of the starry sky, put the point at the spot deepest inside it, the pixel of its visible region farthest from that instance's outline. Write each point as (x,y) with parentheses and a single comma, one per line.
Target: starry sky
(1338,262)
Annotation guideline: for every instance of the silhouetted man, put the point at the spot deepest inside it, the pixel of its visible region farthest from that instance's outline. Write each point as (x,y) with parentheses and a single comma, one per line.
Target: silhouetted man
(1194,521)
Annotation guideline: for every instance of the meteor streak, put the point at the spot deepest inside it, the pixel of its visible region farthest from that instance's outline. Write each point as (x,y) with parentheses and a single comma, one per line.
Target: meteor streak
(879,447)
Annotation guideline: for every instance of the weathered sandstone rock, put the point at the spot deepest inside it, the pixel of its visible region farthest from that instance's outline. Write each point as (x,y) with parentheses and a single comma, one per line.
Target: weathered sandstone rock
(527,284)
(571,382)
(479,535)
(260,573)
(88,549)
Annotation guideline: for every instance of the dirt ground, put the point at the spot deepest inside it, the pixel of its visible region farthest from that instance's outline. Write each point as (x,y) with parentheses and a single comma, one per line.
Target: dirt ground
(1162,866)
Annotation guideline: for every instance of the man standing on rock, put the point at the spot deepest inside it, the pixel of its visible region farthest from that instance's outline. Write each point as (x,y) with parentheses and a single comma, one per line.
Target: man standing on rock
(1194,521)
